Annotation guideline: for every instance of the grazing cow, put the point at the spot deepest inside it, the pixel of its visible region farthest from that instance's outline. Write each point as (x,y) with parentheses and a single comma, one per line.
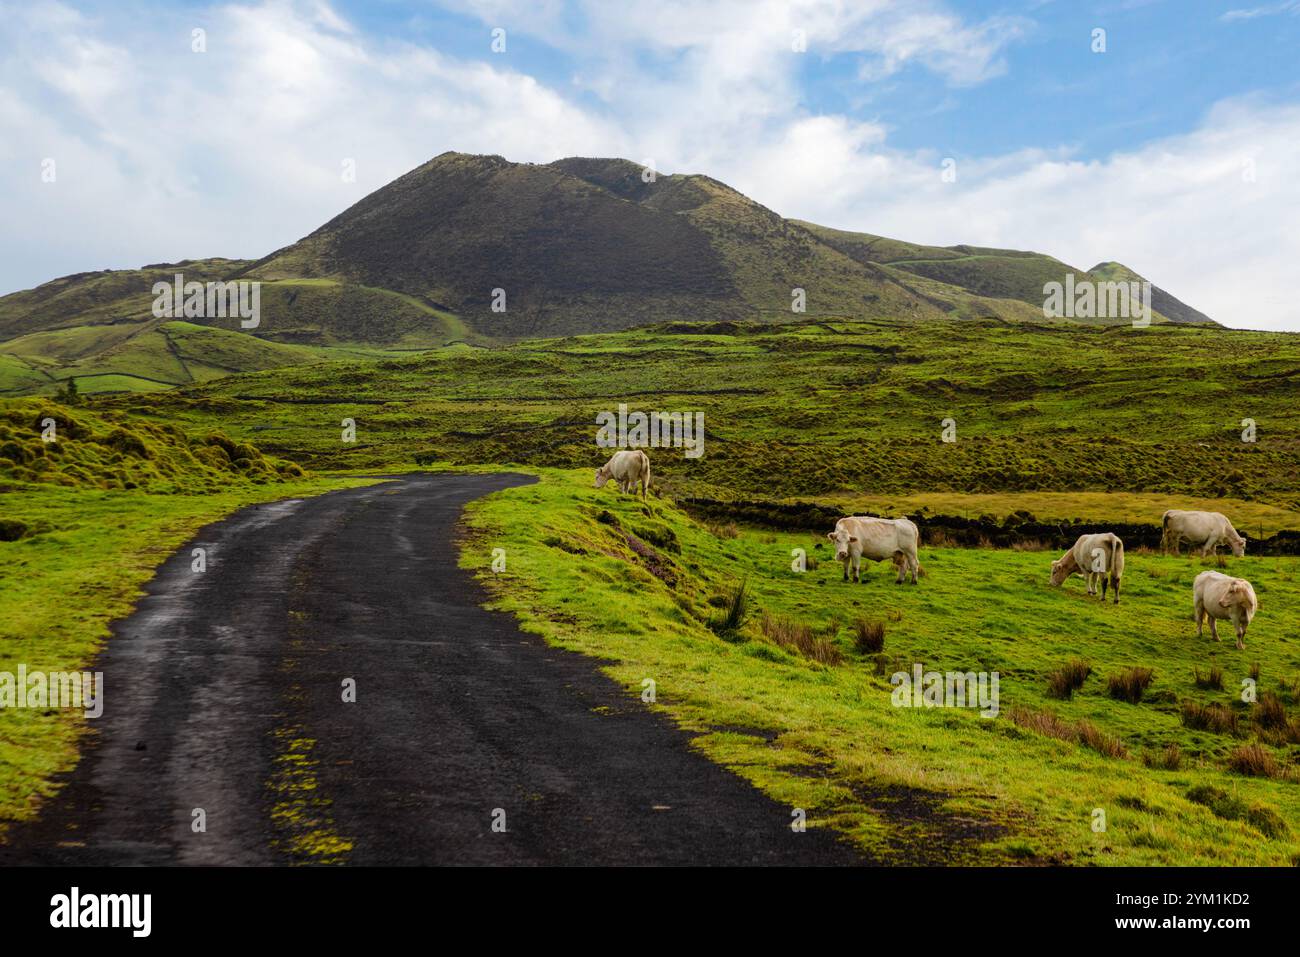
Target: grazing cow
(1225,598)
(1204,530)
(1098,558)
(626,468)
(862,536)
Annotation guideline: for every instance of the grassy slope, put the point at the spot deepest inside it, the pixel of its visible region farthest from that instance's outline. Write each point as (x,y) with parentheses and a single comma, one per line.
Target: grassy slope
(850,412)
(93,552)
(909,785)
(84,447)
(819,408)
(99,328)
(149,356)
(98,298)
(1000,276)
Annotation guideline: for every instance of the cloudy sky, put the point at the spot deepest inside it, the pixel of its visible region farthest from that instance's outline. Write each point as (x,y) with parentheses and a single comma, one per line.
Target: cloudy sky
(1175,150)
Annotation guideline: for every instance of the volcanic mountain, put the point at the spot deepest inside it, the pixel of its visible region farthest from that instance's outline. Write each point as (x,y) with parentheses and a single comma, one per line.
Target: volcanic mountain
(480,249)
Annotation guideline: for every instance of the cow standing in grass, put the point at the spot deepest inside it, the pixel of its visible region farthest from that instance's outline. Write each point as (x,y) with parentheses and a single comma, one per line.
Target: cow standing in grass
(626,468)
(1224,598)
(877,539)
(1098,558)
(1203,530)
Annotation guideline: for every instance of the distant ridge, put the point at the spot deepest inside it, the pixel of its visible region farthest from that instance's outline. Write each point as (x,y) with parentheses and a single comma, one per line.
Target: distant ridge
(479,249)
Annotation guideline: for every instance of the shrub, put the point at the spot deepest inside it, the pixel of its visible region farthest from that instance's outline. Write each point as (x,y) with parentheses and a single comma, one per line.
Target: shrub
(1209,717)
(1213,681)
(1168,758)
(1269,712)
(1090,736)
(1254,761)
(869,636)
(1084,733)
(1129,685)
(1224,805)
(1069,678)
(735,612)
(801,638)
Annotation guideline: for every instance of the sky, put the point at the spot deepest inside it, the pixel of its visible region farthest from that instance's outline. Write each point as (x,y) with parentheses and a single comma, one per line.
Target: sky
(1163,134)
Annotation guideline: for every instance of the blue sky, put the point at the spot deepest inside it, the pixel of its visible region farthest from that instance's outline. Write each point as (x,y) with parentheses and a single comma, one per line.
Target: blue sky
(1173,151)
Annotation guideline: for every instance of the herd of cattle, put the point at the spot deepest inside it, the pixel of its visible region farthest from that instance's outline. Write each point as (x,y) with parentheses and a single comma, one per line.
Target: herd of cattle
(1098,557)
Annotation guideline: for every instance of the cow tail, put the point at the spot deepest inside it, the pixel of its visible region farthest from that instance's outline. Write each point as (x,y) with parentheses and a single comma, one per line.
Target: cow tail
(645,487)
(1164,532)
(1117,560)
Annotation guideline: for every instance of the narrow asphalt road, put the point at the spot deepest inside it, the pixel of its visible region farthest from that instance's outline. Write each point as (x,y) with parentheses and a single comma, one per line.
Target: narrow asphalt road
(224,705)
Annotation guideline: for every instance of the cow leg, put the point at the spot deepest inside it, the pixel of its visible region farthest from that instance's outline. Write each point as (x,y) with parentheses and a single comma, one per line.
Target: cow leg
(857,568)
(1114,583)
(915,565)
(847,562)
(1103,586)
(1214,631)
(1241,635)
(1200,619)
(900,564)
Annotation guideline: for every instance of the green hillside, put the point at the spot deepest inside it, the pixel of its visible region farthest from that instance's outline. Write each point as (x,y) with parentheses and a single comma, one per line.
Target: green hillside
(99,298)
(816,408)
(151,356)
(479,250)
(100,329)
(794,701)
(46,443)
(582,245)
(1000,276)
(820,417)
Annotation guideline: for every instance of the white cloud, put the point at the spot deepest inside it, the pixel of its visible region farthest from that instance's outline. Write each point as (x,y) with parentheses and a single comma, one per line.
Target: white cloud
(1208,215)
(1269,10)
(164,154)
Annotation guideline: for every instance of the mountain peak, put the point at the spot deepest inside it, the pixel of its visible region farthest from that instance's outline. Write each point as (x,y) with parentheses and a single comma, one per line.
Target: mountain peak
(589,244)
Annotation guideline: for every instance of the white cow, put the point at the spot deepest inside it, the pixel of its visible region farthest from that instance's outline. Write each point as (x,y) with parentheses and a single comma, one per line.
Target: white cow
(1225,598)
(1098,558)
(626,468)
(861,536)
(1205,530)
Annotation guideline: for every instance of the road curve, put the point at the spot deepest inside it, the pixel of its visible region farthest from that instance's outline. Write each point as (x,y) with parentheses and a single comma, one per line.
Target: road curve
(224,704)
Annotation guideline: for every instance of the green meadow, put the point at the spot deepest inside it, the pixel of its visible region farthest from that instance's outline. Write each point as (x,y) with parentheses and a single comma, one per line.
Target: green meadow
(790,701)
(813,408)
(1100,424)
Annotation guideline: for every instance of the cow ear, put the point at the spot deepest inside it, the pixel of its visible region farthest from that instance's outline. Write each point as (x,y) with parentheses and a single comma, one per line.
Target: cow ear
(831,536)
(853,538)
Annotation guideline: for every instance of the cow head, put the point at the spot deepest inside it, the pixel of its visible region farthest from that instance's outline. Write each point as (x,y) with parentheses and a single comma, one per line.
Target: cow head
(1063,568)
(1238,545)
(1235,594)
(602,476)
(842,540)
